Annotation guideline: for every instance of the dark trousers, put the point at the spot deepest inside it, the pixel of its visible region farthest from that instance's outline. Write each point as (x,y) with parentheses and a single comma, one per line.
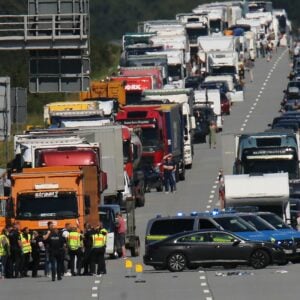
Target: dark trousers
(3,262)
(87,261)
(35,263)
(16,260)
(56,260)
(98,258)
(78,254)
(169,181)
(25,263)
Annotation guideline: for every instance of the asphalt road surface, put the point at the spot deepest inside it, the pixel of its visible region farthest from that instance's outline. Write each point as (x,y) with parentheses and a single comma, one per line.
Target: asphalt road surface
(197,193)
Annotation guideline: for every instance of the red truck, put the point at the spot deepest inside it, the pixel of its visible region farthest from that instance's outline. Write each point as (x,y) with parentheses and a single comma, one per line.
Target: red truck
(135,85)
(161,130)
(156,72)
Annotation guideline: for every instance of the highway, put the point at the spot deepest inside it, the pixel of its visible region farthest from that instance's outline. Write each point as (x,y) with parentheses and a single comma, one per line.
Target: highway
(197,193)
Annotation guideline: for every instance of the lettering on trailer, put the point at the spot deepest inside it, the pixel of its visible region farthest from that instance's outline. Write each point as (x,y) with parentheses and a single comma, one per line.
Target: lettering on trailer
(46,195)
(138,122)
(133,87)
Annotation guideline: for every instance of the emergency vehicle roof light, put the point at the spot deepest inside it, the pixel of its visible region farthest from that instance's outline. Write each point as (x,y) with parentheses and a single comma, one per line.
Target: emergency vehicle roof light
(194,213)
(215,212)
(46,186)
(158,216)
(180,214)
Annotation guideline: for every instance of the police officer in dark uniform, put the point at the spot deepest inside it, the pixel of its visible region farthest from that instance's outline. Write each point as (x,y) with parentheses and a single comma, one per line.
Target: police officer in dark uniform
(36,243)
(56,245)
(87,244)
(16,249)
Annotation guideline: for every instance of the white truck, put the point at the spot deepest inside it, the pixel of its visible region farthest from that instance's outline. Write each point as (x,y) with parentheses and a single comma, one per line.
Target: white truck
(210,98)
(176,67)
(235,94)
(268,192)
(186,98)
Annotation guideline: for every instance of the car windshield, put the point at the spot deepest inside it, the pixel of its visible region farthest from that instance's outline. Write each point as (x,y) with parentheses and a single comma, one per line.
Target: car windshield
(150,138)
(257,222)
(275,221)
(172,226)
(234,224)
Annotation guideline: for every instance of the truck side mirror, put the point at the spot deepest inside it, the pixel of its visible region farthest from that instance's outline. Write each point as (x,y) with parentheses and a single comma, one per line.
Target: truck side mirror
(193,122)
(103,181)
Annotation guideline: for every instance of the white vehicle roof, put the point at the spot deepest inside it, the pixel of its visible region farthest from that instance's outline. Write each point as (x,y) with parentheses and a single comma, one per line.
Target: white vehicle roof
(84,123)
(178,42)
(174,56)
(223,58)
(212,97)
(220,43)
(197,19)
(256,189)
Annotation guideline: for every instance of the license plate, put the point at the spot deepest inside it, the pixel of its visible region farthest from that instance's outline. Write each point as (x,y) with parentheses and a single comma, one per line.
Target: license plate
(288,251)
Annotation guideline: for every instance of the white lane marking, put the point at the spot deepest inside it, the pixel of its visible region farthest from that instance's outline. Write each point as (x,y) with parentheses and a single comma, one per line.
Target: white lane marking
(217,181)
(242,129)
(248,116)
(208,298)
(94,288)
(214,187)
(212,192)
(262,88)
(244,125)
(210,201)
(201,272)
(203,277)
(208,207)
(206,291)
(97,281)
(211,196)
(203,284)
(254,104)
(94,295)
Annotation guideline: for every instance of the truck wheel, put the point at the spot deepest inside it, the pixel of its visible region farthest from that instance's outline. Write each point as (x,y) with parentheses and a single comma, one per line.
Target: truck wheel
(135,250)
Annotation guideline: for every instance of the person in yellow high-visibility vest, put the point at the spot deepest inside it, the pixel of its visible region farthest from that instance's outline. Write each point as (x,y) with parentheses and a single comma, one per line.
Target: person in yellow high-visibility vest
(26,251)
(74,242)
(98,250)
(4,252)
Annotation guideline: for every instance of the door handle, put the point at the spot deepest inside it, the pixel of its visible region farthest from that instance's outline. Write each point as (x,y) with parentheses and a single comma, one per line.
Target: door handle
(217,246)
(188,247)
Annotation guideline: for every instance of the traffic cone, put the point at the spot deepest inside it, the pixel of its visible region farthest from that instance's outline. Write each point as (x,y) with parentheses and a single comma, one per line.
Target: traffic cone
(128,267)
(139,271)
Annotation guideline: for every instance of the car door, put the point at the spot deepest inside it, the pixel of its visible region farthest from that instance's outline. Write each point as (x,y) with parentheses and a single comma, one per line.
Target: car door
(224,248)
(197,247)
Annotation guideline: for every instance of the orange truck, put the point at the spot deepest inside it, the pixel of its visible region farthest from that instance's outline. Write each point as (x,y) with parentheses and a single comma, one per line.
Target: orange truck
(106,89)
(3,215)
(67,194)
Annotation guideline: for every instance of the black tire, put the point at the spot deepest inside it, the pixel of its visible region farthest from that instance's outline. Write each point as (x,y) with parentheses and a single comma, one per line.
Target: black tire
(259,259)
(176,262)
(135,250)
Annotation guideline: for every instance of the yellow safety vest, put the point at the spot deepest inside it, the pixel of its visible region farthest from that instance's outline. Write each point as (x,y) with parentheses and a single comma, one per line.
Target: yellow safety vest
(99,240)
(26,246)
(74,240)
(3,251)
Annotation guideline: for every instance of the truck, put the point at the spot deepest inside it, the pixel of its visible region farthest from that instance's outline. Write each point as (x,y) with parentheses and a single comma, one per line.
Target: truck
(196,25)
(135,85)
(161,130)
(155,72)
(149,61)
(61,194)
(105,89)
(266,192)
(4,217)
(210,98)
(177,68)
(186,98)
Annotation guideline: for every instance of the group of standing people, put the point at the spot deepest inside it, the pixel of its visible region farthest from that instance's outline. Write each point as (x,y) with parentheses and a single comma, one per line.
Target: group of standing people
(264,48)
(21,250)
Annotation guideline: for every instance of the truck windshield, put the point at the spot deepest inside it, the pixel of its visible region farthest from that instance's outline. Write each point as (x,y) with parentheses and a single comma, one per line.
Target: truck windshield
(150,139)
(275,221)
(194,33)
(174,71)
(234,224)
(228,70)
(45,205)
(271,166)
(215,26)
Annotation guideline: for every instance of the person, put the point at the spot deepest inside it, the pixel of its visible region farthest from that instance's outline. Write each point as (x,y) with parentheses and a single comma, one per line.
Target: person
(26,251)
(212,135)
(16,249)
(47,256)
(74,242)
(269,50)
(4,253)
(56,244)
(87,244)
(66,259)
(121,233)
(36,245)
(258,50)
(98,250)
(169,167)
(249,64)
